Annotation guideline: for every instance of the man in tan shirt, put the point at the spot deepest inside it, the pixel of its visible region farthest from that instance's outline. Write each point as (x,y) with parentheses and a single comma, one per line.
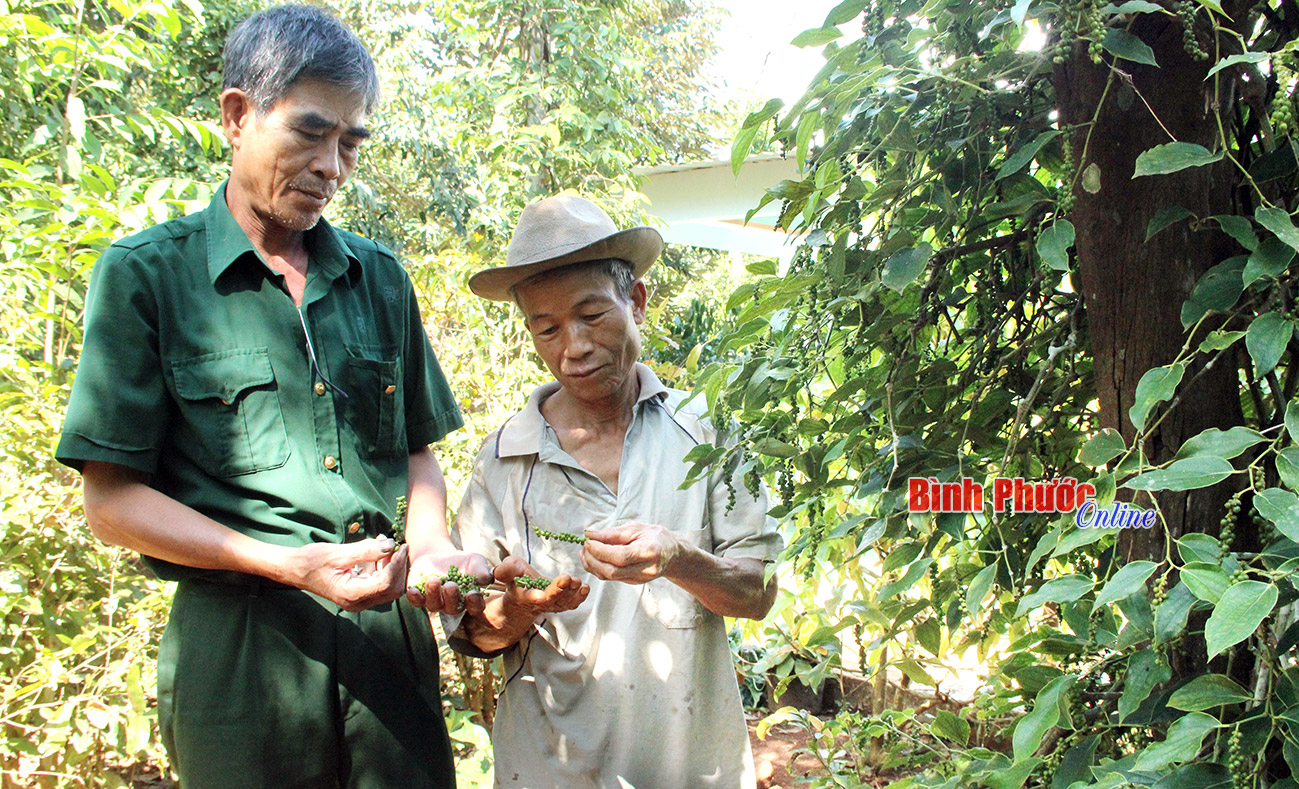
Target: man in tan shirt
(635,685)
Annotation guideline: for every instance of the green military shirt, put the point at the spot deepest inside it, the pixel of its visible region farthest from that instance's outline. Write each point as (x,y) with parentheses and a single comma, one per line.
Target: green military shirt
(196,370)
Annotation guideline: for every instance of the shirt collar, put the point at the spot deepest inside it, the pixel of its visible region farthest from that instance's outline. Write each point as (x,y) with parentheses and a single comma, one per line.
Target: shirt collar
(227,242)
(521,433)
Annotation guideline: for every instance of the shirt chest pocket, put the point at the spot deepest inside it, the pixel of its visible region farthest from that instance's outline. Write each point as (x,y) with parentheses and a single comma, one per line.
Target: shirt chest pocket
(231,422)
(375,402)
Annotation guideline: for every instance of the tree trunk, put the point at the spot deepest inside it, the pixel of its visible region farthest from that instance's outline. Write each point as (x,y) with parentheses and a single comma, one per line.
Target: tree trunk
(1134,288)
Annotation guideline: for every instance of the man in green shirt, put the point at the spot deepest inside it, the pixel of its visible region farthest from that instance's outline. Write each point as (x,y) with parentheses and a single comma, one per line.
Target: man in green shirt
(255,393)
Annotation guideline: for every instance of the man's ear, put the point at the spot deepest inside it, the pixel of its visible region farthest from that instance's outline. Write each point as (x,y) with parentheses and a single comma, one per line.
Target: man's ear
(639,296)
(236,113)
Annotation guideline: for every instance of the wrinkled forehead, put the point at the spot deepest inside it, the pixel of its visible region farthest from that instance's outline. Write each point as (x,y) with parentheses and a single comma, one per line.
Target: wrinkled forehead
(565,289)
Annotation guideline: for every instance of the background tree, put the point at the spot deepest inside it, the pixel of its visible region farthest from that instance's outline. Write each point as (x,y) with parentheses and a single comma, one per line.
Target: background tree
(935,324)
(109,128)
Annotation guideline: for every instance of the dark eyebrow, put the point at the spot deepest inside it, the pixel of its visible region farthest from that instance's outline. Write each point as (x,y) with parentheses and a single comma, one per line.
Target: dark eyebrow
(312,121)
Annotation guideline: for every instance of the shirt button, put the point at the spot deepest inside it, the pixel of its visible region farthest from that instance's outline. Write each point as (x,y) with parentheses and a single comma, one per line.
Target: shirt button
(330,461)
(390,389)
(353,527)
(320,388)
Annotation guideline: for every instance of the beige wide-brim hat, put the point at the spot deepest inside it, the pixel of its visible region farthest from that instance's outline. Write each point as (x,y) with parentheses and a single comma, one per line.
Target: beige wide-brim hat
(559,231)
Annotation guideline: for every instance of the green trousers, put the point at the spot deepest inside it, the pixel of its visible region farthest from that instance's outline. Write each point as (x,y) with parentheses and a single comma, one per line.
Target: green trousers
(260,685)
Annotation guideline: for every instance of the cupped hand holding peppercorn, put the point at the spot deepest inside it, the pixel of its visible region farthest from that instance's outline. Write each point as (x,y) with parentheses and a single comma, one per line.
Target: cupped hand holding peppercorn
(432,585)
(513,611)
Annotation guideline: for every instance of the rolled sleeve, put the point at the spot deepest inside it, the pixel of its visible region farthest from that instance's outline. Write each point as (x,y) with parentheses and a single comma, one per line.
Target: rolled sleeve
(119,407)
(744,531)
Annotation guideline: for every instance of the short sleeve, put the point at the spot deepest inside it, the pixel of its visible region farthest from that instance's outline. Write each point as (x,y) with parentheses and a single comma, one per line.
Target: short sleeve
(119,408)
(431,410)
(742,529)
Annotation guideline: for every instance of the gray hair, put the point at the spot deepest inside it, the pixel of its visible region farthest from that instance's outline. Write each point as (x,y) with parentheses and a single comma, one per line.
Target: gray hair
(617,270)
(271,50)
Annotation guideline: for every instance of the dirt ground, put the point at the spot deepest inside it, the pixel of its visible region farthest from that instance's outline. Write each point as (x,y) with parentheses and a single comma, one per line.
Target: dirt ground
(774,760)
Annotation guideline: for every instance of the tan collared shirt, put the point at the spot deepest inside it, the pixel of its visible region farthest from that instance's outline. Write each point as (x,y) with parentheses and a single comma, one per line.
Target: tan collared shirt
(636,687)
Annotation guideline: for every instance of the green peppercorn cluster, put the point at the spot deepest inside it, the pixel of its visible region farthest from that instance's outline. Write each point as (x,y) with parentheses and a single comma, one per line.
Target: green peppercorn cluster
(1186,11)
(467,583)
(399,521)
(529,582)
(1227,530)
(1238,763)
(1281,114)
(1160,592)
(562,536)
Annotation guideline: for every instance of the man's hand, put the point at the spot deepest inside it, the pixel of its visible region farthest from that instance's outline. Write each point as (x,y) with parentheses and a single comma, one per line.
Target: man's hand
(564,593)
(637,553)
(631,552)
(511,613)
(424,587)
(327,570)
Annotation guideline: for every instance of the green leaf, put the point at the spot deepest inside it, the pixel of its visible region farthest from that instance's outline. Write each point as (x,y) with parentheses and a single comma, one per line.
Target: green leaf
(1205,692)
(1012,777)
(1217,290)
(1155,386)
(914,573)
(1091,178)
(1206,581)
(979,588)
(1053,244)
(1198,547)
(1130,579)
(1278,221)
(1137,7)
(1102,448)
(1238,614)
(768,111)
(1065,589)
(1219,339)
(816,37)
(1225,444)
(1213,5)
(1231,60)
(902,268)
(902,556)
(1287,465)
(1145,671)
(1282,508)
(1016,161)
(1292,419)
(844,12)
(1171,615)
(1046,714)
(774,447)
(1266,340)
(915,672)
(740,148)
(1188,474)
(1077,539)
(1172,157)
(951,728)
(1121,43)
(1164,217)
(1239,228)
(1198,775)
(1270,259)
(1181,744)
